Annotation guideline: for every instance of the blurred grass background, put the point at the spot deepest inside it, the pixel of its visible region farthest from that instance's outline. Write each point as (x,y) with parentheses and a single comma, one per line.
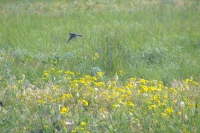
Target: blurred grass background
(44,80)
(156,39)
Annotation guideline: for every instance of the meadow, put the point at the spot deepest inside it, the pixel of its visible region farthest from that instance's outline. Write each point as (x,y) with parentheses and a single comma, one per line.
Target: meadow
(136,68)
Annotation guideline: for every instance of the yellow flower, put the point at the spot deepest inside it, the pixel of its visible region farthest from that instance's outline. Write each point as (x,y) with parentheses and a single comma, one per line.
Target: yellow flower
(152,107)
(100,74)
(99,84)
(190,81)
(152,88)
(59,71)
(15,87)
(69,72)
(137,120)
(121,72)
(129,92)
(179,113)
(53,69)
(75,130)
(46,126)
(131,104)
(121,90)
(96,56)
(173,90)
(67,95)
(119,101)
(142,81)
(104,93)
(64,110)
(164,115)
(45,73)
(102,109)
(155,97)
(145,88)
(43,78)
(87,77)
(85,102)
(55,87)
(129,85)
(169,110)
(132,79)
(83,123)
(39,101)
(116,105)
(19,81)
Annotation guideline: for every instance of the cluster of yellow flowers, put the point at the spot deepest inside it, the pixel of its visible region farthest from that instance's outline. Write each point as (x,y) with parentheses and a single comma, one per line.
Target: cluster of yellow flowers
(139,97)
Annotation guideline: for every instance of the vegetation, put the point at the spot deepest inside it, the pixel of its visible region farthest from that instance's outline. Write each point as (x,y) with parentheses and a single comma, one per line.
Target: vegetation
(136,68)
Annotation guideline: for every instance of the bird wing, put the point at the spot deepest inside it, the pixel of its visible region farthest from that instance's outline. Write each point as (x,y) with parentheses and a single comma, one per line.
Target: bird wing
(71,37)
(75,34)
(79,35)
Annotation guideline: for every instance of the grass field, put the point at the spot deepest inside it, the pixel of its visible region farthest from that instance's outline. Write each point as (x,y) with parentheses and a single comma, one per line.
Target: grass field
(136,68)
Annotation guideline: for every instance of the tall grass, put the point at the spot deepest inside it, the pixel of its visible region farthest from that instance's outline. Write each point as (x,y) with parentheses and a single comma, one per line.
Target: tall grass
(153,40)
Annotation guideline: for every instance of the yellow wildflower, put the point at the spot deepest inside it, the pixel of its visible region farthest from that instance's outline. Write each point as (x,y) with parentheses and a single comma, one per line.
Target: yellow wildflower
(165,96)
(102,109)
(179,113)
(100,74)
(83,123)
(45,73)
(15,87)
(99,84)
(121,72)
(142,81)
(116,105)
(64,110)
(55,87)
(169,110)
(131,104)
(85,102)
(155,97)
(96,56)
(152,107)
(39,101)
(152,88)
(164,115)
(59,71)
(129,92)
(19,81)
(52,69)
(69,72)
(104,93)
(67,95)
(43,78)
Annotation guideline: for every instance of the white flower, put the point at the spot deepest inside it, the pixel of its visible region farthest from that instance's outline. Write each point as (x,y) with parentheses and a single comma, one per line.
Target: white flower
(182,103)
(96,97)
(145,94)
(96,89)
(68,123)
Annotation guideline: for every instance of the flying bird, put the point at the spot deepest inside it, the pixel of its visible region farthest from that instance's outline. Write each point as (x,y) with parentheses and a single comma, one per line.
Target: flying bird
(73,35)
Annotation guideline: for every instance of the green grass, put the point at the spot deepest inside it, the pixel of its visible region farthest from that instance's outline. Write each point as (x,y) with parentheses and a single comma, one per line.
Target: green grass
(153,40)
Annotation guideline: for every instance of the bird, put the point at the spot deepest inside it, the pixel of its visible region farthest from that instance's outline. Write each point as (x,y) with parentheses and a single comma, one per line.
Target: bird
(73,35)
